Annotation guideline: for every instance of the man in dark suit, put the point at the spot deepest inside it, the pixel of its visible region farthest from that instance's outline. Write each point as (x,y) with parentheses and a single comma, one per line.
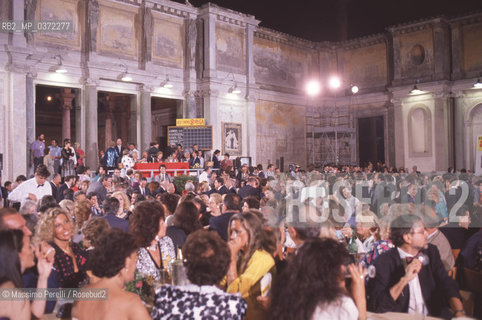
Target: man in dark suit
(231,206)
(219,186)
(411,277)
(68,183)
(100,187)
(250,189)
(120,149)
(55,184)
(110,208)
(142,188)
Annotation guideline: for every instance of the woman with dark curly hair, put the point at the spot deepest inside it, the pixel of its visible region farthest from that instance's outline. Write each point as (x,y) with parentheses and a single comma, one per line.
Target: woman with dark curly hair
(185,221)
(156,250)
(56,227)
(113,262)
(207,259)
(250,260)
(316,277)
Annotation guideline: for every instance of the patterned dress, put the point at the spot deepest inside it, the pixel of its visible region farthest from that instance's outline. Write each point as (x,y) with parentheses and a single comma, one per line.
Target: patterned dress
(146,265)
(379,247)
(64,266)
(197,302)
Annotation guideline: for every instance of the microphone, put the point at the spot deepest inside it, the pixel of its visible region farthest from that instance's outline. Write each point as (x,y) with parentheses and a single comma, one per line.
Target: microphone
(424,259)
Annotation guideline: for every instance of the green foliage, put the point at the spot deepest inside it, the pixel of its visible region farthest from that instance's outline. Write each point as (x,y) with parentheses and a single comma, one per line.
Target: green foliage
(180,182)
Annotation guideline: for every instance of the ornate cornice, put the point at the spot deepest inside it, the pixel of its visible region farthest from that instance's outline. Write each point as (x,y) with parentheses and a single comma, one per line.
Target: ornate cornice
(417,25)
(284,38)
(467,19)
(362,42)
(131,2)
(172,8)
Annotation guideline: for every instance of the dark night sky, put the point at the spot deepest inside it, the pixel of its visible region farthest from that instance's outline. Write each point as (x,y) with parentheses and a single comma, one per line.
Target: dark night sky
(317,19)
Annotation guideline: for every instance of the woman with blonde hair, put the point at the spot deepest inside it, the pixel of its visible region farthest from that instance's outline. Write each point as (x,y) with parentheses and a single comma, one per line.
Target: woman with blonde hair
(250,260)
(82,211)
(69,206)
(56,227)
(367,229)
(215,204)
(124,204)
(203,187)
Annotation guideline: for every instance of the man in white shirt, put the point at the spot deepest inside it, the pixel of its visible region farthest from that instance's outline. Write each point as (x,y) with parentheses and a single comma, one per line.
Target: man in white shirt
(33,189)
(205,175)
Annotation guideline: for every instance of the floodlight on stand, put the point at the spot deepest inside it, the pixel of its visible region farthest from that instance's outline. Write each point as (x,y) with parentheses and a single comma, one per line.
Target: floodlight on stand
(167,83)
(59,68)
(354,89)
(234,89)
(478,84)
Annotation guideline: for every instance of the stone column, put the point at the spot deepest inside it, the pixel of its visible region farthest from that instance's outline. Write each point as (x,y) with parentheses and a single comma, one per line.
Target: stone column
(251,128)
(91,137)
(18,14)
(459,130)
(442,148)
(398,133)
(66,97)
(457,50)
(209,19)
(125,118)
(211,115)
(108,120)
(390,128)
(79,119)
(145,117)
(30,108)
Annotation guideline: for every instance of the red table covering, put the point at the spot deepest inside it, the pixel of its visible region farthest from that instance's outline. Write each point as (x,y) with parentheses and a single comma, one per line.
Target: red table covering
(147,168)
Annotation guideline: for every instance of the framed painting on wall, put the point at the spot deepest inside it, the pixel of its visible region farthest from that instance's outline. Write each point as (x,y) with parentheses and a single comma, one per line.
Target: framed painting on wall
(231,138)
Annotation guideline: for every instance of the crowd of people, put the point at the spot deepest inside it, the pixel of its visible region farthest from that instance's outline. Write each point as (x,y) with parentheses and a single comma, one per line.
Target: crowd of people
(321,243)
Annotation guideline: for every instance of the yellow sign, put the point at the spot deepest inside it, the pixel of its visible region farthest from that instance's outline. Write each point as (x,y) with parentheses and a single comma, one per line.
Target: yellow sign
(190,122)
(480,143)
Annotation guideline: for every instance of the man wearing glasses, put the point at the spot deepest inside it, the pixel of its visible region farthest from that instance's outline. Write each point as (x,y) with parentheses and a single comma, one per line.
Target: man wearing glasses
(411,278)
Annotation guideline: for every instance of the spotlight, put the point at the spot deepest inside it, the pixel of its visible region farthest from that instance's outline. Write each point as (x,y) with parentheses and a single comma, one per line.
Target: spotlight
(59,68)
(335,82)
(313,88)
(354,89)
(126,77)
(478,84)
(234,89)
(415,90)
(49,98)
(167,83)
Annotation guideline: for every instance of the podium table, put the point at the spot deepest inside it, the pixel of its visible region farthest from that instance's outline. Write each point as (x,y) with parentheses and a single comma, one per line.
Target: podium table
(151,169)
